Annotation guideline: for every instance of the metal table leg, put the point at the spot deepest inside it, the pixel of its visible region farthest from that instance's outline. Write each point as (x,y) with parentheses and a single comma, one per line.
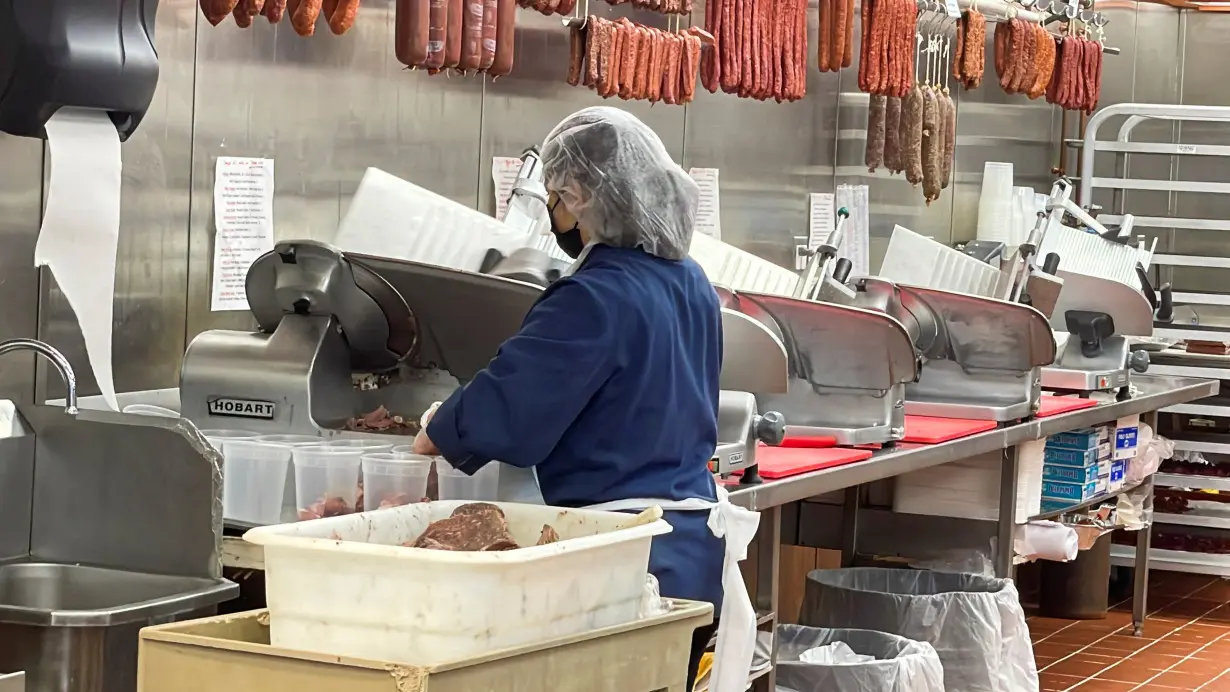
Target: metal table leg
(849,525)
(1007,514)
(1140,573)
(768,563)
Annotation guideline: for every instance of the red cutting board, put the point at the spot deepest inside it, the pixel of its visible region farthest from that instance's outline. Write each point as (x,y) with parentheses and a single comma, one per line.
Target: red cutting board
(781,462)
(930,430)
(1055,405)
(809,442)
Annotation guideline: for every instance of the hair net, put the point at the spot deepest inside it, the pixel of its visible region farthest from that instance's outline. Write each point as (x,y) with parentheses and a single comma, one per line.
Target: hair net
(614,175)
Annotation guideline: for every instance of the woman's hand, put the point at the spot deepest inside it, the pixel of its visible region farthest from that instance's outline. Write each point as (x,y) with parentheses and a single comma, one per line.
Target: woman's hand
(423,444)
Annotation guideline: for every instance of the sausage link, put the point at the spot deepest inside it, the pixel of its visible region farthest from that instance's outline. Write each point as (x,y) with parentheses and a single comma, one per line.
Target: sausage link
(1003,35)
(245,11)
(343,13)
(592,52)
(630,59)
(931,149)
(837,49)
(691,64)
(676,67)
(657,61)
(437,32)
(880,16)
(711,65)
(1034,48)
(452,33)
(1022,78)
(1096,85)
(847,57)
(576,55)
(800,55)
(1076,92)
(873,156)
(274,10)
(911,143)
(303,15)
(729,72)
(217,10)
(824,36)
(1052,90)
(864,47)
(613,62)
(490,27)
(756,86)
(950,139)
(892,134)
(471,35)
(505,38)
(958,49)
(410,33)
(748,78)
(975,53)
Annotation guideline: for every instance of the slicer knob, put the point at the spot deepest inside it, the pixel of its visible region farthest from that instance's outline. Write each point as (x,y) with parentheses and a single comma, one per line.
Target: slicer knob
(771,428)
(1139,361)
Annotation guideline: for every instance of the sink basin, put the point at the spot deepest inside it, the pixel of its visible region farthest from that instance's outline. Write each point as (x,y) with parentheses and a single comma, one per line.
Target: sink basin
(56,595)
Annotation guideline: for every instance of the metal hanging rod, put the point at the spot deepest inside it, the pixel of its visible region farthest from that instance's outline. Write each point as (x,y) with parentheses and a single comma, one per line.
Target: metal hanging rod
(1044,12)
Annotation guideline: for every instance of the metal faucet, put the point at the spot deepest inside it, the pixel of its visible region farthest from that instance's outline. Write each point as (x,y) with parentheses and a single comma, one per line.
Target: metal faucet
(57,359)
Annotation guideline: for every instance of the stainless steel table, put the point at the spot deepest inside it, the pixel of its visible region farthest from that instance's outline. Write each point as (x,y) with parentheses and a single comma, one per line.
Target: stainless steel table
(1153,394)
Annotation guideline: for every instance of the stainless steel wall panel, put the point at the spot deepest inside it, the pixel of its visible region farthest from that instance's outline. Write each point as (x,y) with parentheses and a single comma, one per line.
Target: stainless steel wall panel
(151,261)
(771,156)
(21,192)
(324,109)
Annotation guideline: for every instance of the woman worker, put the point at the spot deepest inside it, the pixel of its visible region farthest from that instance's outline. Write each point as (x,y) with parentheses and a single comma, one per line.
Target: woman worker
(609,391)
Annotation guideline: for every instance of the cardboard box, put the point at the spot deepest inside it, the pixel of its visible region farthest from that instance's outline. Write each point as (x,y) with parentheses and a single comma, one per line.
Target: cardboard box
(1073,493)
(1072,474)
(1071,457)
(1126,432)
(232,653)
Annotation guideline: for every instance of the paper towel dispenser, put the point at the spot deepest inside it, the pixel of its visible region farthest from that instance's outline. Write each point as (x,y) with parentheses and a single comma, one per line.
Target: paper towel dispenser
(86,53)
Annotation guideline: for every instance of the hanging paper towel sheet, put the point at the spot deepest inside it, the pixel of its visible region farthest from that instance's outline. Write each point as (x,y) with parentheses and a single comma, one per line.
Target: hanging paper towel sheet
(81,228)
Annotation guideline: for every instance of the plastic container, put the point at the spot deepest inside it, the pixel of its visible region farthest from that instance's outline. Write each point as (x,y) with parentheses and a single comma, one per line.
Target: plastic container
(150,410)
(257,483)
(365,444)
(366,596)
(392,479)
(326,480)
(218,437)
(456,485)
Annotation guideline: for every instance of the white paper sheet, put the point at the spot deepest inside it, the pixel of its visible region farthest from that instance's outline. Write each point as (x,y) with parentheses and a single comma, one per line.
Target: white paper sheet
(81,228)
(243,219)
(504,172)
(709,209)
(820,218)
(857,244)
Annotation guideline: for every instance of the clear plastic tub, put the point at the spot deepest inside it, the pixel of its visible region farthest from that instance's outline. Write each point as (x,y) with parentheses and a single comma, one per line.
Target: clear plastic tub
(368,597)
(327,480)
(218,437)
(364,443)
(257,485)
(455,485)
(392,479)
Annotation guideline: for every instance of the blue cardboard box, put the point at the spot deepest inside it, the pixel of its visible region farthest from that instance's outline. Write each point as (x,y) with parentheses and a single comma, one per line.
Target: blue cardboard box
(1070,474)
(1049,506)
(1073,493)
(1077,439)
(1071,457)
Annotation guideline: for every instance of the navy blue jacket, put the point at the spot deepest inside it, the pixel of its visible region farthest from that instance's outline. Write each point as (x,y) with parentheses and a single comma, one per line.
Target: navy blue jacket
(610,390)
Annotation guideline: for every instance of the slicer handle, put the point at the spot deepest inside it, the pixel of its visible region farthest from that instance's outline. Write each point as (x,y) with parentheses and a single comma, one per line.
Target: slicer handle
(771,428)
(1050,265)
(1146,286)
(1138,361)
(841,271)
(1165,304)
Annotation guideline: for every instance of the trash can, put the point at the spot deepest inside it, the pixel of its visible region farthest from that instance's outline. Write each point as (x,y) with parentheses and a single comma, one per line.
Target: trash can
(899,665)
(1080,589)
(975,623)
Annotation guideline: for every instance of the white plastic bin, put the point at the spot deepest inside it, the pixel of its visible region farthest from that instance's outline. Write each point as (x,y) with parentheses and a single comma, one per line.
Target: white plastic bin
(456,485)
(368,597)
(392,479)
(326,480)
(257,485)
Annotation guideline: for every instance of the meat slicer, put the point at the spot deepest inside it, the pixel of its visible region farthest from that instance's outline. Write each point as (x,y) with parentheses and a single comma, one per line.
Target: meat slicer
(981,357)
(1105,297)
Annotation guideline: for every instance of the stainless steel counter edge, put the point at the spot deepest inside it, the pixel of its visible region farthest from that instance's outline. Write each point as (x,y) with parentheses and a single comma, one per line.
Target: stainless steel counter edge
(1153,393)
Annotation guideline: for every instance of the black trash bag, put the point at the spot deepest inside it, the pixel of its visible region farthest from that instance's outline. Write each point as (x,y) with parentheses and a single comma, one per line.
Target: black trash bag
(901,665)
(975,623)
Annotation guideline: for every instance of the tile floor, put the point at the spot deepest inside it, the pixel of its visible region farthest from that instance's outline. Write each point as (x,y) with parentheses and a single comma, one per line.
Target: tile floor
(1185,646)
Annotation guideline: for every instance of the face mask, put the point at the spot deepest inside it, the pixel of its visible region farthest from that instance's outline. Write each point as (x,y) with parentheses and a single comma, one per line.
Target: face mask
(569,240)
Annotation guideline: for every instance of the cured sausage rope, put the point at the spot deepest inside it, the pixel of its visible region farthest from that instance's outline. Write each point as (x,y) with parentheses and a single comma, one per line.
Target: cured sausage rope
(634,62)
(760,46)
(886,49)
